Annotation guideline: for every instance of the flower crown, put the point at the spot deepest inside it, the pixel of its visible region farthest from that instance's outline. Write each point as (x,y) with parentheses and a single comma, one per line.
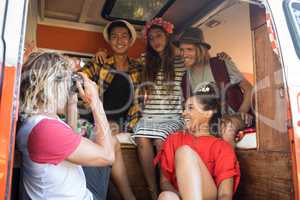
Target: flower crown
(167,26)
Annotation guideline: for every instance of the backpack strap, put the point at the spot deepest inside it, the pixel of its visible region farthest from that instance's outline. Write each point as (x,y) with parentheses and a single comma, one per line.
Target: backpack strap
(233,94)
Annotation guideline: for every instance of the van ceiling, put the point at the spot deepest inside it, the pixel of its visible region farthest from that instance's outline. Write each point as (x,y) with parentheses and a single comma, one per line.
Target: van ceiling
(181,13)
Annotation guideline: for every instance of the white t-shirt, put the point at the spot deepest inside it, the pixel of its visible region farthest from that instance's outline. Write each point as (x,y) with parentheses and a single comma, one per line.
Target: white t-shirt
(45,143)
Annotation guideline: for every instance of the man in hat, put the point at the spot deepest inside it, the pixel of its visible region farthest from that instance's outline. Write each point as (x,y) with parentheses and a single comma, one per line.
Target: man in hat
(117,78)
(234,89)
(118,75)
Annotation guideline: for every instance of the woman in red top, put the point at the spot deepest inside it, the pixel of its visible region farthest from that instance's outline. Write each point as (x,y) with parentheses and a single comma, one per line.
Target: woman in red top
(196,165)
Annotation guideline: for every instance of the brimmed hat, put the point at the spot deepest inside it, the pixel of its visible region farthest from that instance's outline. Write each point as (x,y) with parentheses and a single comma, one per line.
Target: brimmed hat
(194,36)
(127,24)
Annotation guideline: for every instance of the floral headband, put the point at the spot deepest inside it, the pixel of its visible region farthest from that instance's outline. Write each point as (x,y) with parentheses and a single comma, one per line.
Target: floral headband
(167,26)
(206,88)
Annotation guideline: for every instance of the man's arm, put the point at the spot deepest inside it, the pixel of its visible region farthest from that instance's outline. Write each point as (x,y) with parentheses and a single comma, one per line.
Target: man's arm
(237,77)
(246,104)
(247,89)
(101,56)
(100,152)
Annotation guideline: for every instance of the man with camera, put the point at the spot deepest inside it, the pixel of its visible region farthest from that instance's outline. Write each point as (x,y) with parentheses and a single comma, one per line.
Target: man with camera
(52,152)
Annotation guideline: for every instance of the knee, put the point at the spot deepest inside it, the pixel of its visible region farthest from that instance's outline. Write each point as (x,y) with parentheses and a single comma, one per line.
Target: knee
(167,195)
(184,150)
(142,143)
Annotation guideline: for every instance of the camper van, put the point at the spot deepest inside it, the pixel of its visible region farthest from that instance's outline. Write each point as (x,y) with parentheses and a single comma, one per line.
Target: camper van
(262,37)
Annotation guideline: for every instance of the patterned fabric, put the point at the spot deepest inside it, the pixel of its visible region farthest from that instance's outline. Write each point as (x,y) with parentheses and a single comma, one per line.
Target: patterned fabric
(103,75)
(163,108)
(158,127)
(160,101)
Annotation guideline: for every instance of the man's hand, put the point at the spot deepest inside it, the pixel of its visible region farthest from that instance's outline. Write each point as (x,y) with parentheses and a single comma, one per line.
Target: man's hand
(101,56)
(247,118)
(223,56)
(230,125)
(90,93)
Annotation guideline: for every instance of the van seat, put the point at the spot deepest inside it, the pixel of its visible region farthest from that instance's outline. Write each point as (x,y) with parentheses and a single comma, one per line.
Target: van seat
(247,139)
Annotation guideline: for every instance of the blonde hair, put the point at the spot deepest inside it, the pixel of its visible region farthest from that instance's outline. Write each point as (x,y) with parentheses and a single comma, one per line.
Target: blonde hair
(202,55)
(45,83)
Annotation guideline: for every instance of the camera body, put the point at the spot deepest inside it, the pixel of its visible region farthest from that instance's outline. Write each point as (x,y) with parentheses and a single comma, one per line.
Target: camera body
(74,78)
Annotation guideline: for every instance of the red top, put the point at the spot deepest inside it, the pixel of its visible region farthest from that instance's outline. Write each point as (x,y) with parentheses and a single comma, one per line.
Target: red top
(218,156)
(52,141)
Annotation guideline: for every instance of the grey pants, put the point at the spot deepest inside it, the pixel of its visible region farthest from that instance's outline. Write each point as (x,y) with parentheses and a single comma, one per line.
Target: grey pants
(97,181)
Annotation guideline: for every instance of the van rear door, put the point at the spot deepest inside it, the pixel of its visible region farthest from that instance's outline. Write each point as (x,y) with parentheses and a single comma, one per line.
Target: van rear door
(13,15)
(285,15)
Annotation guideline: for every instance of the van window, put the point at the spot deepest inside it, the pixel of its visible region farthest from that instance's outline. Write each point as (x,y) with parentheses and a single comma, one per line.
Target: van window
(292,12)
(135,11)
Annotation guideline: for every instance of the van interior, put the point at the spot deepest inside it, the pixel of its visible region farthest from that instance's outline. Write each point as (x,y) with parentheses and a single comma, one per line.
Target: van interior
(237,27)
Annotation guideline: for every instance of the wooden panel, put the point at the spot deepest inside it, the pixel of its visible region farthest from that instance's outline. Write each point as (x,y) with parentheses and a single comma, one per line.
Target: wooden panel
(78,40)
(257,16)
(271,104)
(265,176)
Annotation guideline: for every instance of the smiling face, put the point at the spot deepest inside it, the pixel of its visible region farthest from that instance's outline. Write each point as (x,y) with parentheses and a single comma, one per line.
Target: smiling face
(157,39)
(195,116)
(189,54)
(120,40)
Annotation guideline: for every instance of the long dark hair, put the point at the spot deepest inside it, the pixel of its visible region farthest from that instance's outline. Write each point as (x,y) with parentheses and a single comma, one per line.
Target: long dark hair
(153,61)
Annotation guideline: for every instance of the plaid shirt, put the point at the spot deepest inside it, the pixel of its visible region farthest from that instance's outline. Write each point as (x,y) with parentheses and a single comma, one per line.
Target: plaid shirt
(103,76)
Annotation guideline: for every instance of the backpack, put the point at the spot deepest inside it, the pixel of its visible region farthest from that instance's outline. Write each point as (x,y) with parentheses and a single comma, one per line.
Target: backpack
(233,95)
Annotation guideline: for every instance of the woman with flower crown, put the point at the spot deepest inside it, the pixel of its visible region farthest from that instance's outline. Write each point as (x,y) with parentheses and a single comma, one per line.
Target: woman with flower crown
(161,113)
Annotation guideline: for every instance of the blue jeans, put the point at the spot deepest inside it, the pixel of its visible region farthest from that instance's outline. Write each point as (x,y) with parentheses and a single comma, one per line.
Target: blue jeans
(97,181)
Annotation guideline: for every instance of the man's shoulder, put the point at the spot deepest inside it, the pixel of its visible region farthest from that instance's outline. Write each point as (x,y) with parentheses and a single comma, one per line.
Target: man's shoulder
(110,61)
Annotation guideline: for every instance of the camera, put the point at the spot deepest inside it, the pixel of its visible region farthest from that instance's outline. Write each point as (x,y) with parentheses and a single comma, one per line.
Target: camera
(76,77)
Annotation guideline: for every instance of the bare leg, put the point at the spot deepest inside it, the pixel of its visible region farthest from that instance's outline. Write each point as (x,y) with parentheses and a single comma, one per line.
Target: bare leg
(119,174)
(146,155)
(167,195)
(158,144)
(194,179)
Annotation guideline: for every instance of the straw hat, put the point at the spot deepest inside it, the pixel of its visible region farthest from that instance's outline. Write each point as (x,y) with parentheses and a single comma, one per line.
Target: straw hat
(127,24)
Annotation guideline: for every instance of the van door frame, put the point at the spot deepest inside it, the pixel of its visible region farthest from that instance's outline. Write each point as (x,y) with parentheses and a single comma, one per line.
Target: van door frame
(290,62)
(11,50)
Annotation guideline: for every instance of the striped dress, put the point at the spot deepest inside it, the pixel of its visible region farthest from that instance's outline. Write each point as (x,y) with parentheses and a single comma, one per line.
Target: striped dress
(162,111)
